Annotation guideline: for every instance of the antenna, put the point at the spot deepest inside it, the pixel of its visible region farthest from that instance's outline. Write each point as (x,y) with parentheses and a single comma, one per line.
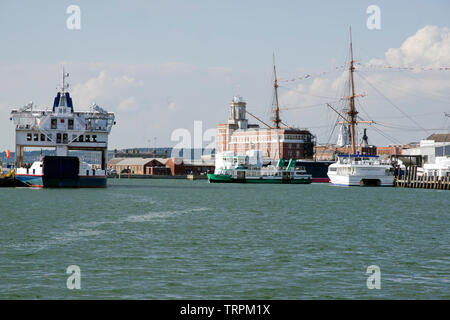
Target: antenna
(64,85)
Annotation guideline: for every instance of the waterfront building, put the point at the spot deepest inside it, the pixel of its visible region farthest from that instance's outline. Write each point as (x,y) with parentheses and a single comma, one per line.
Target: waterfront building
(160,166)
(239,136)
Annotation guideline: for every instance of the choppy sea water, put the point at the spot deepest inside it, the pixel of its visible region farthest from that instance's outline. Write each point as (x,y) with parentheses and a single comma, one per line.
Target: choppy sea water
(177,239)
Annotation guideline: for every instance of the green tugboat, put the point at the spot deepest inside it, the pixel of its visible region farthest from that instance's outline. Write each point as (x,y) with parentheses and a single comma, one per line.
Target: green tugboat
(232,168)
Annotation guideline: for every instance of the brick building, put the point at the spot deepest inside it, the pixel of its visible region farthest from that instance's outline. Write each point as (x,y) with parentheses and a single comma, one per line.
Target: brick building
(327,152)
(239,136)
(160,166)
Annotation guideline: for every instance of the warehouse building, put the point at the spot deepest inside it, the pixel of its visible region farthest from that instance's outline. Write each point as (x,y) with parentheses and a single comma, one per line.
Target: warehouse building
(160,166)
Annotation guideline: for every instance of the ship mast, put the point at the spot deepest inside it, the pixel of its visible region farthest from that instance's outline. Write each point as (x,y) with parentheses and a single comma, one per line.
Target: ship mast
(352,110)
(276,119)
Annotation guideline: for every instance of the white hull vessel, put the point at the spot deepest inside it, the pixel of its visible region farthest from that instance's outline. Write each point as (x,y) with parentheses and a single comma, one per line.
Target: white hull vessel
(359,170)
(62,129)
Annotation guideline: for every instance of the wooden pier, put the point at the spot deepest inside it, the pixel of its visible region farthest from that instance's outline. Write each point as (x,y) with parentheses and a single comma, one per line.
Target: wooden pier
(411,180)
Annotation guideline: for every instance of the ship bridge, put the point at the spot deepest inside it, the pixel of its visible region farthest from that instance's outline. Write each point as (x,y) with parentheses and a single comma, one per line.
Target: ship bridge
(62,128)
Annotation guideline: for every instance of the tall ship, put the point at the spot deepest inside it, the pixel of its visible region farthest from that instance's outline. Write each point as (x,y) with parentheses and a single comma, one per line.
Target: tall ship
(62,129)
(360,168)
(275,140)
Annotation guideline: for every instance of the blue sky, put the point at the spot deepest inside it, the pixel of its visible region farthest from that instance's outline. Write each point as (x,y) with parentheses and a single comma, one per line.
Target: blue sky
(193,56)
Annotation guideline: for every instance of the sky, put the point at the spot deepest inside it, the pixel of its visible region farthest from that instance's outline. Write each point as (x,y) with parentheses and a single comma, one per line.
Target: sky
(162,65)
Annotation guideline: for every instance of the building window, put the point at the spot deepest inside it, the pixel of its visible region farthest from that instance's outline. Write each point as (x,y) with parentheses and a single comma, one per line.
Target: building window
(81,138)
(36,137)
(70,124)
(42,137)
(94,138)
(65,138)
(58,138)
(88,138)
(54,123)
(29,137)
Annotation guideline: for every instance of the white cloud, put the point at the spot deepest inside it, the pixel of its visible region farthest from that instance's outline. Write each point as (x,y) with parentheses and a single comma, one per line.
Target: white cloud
(104,87)
(429,47)
(128,104)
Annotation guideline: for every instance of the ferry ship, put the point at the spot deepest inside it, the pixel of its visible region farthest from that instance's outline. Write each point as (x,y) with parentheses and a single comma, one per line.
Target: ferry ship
(250,169)
(361,170)
(357,169)
(63,129)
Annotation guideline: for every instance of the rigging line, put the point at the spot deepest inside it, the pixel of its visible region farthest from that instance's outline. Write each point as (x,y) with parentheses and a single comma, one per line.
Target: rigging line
(308,106)
(360,106)
(311,75)
(408,91)
(331,134)
(384,134)
(414,115)
(305,93)
(393,104)
(406,128)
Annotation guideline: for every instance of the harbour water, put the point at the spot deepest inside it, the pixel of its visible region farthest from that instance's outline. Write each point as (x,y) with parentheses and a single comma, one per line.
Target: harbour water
(176,239)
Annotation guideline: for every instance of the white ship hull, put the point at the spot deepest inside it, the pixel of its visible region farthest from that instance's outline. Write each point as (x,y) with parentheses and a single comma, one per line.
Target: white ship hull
(346,180)
(362,172)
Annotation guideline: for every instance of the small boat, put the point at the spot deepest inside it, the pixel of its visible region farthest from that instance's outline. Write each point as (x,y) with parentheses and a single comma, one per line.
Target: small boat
(249,169)
(7,180)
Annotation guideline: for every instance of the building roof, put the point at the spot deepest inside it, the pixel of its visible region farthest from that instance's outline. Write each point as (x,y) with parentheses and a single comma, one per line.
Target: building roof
(272,130)
(114,161)
(176,161)
(199,162)
(161,160)
(133,161)
(440,137)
